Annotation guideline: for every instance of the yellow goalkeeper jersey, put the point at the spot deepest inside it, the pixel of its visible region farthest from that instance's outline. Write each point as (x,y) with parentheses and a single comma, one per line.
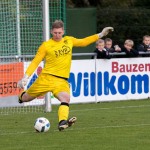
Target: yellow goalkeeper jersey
(58,55)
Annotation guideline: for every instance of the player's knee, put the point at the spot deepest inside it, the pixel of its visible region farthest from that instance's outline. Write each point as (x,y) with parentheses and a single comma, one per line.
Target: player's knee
(63,97)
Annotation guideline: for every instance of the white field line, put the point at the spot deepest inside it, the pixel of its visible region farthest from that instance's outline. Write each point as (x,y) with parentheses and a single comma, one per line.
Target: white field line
(106,127)
(109,108)
(87,128)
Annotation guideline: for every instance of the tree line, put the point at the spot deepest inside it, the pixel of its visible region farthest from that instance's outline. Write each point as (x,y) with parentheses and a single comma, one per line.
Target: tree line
(130,18)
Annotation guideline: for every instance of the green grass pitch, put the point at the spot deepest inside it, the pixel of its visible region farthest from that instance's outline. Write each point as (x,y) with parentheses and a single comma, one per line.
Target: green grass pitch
(123,125)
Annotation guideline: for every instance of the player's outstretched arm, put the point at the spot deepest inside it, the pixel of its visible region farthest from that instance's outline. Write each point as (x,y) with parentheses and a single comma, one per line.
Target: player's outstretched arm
(91,39)
(23,81)
(105,31)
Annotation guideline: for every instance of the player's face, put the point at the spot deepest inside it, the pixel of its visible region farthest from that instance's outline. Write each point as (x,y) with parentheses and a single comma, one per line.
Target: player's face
(57,34)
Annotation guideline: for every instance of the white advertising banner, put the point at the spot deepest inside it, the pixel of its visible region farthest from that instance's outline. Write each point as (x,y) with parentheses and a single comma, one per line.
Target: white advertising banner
(82,81)
(122,79)
(105,80)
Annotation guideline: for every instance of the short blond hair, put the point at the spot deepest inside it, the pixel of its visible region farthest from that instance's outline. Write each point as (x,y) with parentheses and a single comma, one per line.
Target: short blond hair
(146,36)
(129,42)
(57,24)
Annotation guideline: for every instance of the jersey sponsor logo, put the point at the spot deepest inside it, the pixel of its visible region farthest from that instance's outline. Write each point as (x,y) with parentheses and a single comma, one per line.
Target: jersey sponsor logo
(64,51)
(66,41)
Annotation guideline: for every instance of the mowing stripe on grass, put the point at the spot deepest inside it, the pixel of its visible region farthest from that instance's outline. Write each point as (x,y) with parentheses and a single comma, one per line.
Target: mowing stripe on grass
(95,127)
(105,108)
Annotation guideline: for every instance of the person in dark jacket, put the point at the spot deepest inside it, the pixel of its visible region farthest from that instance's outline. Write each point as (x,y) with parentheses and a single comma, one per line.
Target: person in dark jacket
(110,48)
(109,45)
(145,46)
(129,50)
(100,50)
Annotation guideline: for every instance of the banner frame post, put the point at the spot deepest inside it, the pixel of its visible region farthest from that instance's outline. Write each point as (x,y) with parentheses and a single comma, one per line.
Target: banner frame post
(46,36)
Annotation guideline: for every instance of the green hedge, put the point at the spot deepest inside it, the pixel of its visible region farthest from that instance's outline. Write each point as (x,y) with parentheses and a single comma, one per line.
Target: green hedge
(128,23)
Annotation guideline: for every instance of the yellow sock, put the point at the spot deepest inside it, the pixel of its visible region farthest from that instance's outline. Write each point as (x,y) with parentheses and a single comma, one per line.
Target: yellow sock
(63,112)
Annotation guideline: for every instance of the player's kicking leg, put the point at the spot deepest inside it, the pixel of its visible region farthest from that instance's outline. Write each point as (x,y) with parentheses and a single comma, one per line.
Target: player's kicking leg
(63,113)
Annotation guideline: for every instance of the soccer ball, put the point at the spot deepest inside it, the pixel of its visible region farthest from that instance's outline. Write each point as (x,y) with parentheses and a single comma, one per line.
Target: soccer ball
(42,124)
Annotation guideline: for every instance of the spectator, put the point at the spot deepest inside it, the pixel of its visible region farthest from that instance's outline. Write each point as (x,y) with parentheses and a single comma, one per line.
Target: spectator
(109,47)
(145,46)
(128,48)
(100,50)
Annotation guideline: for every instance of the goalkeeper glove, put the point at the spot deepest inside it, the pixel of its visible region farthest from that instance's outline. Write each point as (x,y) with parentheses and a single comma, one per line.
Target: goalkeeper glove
(23,81)
(105,31)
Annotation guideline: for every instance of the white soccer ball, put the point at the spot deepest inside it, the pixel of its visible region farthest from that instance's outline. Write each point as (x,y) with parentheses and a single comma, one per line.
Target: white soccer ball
(42,124)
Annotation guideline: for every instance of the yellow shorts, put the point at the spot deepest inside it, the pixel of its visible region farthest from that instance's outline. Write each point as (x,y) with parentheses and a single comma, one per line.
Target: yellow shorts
(48,83)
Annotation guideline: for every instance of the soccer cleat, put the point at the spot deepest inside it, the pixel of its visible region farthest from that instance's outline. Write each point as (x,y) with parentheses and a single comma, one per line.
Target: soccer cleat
(66,123)
(63,125)
(72,121)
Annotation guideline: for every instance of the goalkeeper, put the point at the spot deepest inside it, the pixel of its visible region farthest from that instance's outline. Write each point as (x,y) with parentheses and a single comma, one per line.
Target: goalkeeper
(57,53)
